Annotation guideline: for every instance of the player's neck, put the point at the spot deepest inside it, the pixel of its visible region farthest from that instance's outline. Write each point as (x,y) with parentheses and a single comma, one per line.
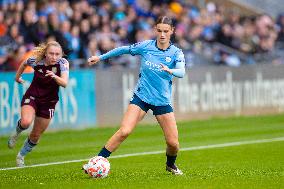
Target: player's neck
(163,46)
(48,63)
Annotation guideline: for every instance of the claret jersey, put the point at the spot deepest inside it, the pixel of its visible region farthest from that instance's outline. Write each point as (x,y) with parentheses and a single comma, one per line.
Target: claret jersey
(45,88)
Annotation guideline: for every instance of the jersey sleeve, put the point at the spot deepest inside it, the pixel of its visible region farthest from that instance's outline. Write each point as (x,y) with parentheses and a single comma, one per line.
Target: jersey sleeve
(180,60)
(115,52)
(64,65)
(31,62)
(138,48)
(179,69)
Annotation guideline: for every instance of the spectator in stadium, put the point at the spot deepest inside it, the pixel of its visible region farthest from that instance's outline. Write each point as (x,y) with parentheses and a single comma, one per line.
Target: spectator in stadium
(17,57)
(41,29)
(92,49)
(27,27)
(38,103)
(280,25)
(84,34)
(3,60)
(3,26)
(15,36)
(162,61)
(75,43)
(127,22)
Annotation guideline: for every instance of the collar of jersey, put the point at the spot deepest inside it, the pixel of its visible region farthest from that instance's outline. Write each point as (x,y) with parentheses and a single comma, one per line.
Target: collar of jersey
(163,49)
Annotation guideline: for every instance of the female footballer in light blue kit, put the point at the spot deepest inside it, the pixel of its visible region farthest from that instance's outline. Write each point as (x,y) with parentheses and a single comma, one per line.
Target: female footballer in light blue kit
(160,62)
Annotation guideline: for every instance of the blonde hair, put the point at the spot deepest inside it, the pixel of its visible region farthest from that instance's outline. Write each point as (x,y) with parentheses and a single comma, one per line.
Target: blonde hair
(39,52)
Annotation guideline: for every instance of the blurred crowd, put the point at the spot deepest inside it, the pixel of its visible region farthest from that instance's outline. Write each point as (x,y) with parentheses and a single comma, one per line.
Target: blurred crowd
(88,27)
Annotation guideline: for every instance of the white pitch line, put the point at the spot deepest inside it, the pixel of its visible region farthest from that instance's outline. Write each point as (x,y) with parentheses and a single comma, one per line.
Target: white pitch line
(158,152)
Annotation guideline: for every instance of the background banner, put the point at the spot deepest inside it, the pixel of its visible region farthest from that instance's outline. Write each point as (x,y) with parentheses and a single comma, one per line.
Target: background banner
(75,109)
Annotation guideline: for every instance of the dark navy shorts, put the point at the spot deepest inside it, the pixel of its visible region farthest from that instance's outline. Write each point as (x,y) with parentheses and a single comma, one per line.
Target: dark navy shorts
(157,110)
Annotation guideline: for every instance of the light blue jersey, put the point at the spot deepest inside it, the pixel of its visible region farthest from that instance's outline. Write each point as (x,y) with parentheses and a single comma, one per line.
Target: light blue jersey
(154,85)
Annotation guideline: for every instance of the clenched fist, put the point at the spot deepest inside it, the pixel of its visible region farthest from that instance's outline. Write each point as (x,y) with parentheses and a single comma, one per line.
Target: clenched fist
(93,60)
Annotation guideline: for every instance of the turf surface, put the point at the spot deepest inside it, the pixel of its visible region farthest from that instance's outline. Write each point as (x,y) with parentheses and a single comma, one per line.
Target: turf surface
(259,165)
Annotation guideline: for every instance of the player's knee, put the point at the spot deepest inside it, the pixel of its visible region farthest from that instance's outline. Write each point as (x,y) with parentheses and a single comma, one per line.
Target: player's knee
(124,133)
(26,122)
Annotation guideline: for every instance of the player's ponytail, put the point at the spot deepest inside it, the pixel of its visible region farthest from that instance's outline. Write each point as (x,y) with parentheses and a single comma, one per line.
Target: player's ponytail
(39,52)
(164,20)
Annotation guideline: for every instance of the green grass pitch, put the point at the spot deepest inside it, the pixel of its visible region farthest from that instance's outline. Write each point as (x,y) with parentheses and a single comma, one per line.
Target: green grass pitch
(248,166)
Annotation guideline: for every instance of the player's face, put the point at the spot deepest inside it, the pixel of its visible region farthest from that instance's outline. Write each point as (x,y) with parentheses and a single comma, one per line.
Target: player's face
(164,32)
(53,54)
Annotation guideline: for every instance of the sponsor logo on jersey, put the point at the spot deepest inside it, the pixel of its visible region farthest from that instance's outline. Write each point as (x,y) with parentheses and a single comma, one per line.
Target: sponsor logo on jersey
(153,66)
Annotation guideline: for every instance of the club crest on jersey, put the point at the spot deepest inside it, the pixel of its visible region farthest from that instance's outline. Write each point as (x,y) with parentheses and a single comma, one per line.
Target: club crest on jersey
(168,59)
(40,70)
(27,100)
(54,69)
(135,44)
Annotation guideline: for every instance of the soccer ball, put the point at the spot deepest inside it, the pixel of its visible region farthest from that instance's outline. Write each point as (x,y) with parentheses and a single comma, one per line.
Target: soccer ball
(97,167)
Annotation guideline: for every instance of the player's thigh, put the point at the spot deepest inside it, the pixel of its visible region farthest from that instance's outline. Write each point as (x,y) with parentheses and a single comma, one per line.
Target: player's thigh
(40,125)
(168,124)
(132,116)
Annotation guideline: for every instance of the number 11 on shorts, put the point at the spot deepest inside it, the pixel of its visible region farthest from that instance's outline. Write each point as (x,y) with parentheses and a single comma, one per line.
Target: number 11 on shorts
(51,113)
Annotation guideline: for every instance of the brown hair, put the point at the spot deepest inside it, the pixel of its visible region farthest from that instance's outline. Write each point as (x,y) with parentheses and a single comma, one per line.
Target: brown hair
(39,52)
(164,20)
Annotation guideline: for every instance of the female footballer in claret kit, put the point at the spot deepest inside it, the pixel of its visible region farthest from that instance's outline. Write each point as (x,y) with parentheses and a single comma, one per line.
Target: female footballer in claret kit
(38,103)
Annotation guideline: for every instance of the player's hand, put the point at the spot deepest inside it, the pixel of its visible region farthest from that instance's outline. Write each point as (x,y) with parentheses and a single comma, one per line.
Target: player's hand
(50,74)
(165,68)
(93,60)
(19,80)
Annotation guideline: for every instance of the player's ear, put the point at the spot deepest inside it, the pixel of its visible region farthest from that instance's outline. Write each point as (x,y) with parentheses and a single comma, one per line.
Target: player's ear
(173,30)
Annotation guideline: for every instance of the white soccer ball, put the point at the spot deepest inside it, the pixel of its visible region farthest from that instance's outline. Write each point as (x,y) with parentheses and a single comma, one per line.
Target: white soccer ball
(97,167)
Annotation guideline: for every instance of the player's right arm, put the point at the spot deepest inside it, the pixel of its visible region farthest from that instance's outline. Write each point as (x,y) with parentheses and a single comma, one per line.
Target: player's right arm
(134,49)
(112,53)
(21,69)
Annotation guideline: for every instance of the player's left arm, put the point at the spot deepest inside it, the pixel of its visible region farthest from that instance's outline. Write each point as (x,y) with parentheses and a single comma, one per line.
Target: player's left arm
(61,80)
(179,70)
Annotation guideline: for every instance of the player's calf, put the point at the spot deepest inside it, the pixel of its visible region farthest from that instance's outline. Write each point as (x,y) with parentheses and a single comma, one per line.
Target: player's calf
(15,135)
